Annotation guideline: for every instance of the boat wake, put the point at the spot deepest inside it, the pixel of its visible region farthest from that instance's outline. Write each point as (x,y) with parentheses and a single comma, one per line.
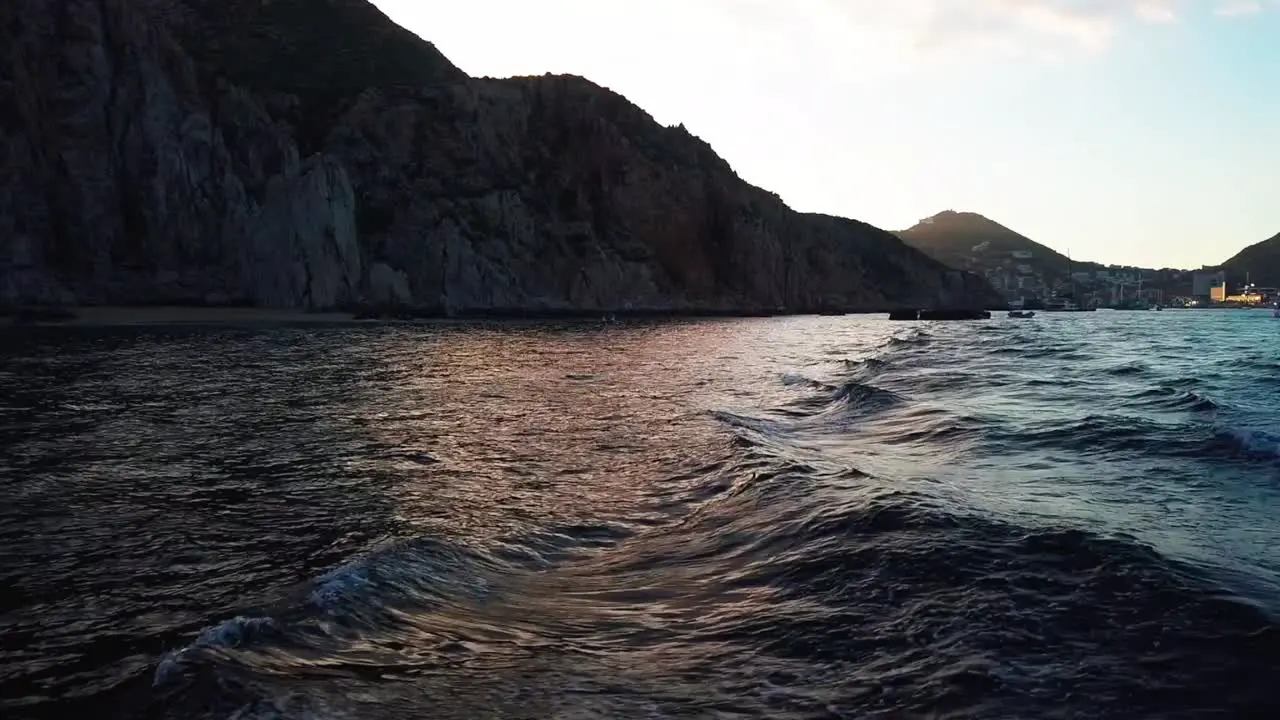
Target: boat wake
(993,520)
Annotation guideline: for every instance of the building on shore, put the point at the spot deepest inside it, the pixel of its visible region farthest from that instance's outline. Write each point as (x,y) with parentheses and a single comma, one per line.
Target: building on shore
(1253,295)
(1202,284)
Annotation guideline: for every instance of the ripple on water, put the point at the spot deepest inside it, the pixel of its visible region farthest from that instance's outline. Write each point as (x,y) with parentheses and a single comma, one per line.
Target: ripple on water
(809,518)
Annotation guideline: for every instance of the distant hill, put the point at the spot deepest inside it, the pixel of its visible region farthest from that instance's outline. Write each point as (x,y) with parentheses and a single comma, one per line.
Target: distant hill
(1020,267)
(966,240)
(1261,262)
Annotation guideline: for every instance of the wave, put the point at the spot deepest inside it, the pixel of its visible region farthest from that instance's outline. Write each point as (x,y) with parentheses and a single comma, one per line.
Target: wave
(1126,435)
(1059,382)
(423,573)
(1171,397)
(1037,352)
(815,566)
(1248,443)
(864,396)
(1095,433)
(969,609)
(231,633)
(847,398)
(867,367)
(1129,369)
(914,337)
(793,380)
(948,380)
(746,422)
(941,429)
(420,570)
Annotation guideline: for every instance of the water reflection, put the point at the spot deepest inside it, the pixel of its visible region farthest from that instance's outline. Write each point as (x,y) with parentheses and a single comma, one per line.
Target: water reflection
(558,425)
(775,518)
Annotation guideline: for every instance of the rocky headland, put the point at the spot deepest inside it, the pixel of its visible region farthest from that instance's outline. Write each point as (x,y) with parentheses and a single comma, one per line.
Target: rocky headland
(313,155)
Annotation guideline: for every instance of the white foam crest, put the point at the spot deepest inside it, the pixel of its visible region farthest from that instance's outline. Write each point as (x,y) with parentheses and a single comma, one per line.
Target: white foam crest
(411,568)
(227,634)
(340,583)
(793,379)
(1256,441)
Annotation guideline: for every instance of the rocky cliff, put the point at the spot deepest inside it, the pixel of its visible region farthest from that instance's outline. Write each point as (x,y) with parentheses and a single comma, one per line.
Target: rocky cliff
(313,154)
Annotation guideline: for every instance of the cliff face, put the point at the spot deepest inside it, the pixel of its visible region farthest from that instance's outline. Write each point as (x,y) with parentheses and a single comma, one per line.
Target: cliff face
(126,177)
(309,154)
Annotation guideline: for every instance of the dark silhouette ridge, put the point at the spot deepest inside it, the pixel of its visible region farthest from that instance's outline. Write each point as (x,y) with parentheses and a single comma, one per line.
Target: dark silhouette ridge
(315,155)
(951,237)
(1259,262)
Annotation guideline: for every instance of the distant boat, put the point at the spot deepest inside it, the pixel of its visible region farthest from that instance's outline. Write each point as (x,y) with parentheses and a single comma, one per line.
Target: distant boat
(1022,313)
(1136,305)
(1065,305)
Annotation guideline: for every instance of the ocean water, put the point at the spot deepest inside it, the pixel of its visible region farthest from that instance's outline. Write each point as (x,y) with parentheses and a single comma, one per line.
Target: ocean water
(1075,516)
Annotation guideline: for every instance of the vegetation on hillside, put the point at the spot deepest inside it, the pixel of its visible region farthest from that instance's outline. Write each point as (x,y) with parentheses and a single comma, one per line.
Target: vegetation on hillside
(1260,261)
(971,241)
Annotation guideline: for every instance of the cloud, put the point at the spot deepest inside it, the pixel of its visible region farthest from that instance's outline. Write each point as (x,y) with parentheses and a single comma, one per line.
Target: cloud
(947,29)
(859,41)
(1007,25)
(929,29)
(1238,8)
(1157,11)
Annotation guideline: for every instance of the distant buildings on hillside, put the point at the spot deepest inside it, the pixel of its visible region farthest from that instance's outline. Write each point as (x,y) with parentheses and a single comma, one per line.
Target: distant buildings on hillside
(1210,288)
(1249,295)
(1019,276)
(1204,283)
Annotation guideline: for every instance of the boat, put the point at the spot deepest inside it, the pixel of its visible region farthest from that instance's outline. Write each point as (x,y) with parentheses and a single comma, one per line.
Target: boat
(935,314)
(1065,305)
(1022,313)
(1138,304)
(1058,303)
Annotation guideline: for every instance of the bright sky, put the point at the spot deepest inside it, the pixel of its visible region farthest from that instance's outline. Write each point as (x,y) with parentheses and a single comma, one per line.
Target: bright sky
(1125,131)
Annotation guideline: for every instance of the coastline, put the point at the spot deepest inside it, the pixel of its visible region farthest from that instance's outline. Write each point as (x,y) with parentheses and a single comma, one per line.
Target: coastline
(179,315)
(124,316)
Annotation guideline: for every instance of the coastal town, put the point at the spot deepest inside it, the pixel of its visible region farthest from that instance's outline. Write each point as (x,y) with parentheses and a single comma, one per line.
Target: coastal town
(1126,287)
(1033,276)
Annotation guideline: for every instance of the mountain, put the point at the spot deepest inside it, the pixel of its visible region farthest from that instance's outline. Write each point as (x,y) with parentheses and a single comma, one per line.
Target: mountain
(1016,265)
(1022,268)
(970,241)
(299,153)
(1259,262)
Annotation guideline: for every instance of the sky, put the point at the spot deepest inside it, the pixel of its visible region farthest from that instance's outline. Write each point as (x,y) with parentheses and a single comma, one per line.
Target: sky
(1143,132)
